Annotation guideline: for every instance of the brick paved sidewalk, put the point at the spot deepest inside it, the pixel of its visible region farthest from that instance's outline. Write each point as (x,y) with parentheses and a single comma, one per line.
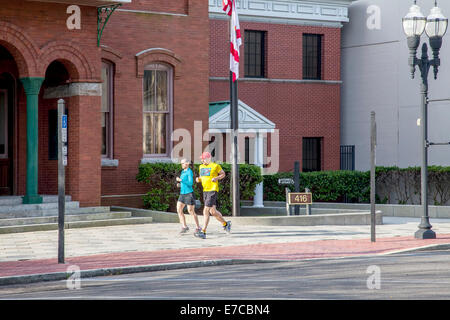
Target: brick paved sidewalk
(272,251)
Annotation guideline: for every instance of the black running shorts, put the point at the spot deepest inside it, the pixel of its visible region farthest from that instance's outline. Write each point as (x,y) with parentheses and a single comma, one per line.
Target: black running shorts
(187,198)
(210,198)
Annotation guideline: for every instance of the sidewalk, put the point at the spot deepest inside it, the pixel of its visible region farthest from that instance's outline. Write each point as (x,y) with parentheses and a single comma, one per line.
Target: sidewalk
(30,257)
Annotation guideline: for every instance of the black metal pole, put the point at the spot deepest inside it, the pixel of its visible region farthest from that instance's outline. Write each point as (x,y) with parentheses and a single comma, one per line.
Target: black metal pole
(373,141)
(234,136)
(424,231)
(297,184)
(61,184)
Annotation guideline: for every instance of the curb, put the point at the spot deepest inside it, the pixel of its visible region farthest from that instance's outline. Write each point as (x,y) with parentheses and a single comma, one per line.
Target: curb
(431,247)
(57,276)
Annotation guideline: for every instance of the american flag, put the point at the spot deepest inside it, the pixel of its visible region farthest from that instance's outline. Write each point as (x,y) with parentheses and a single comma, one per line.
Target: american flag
(229,7)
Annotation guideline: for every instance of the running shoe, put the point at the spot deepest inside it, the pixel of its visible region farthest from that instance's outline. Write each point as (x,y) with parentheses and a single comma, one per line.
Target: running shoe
(227,227)
(200,234)
(184,230)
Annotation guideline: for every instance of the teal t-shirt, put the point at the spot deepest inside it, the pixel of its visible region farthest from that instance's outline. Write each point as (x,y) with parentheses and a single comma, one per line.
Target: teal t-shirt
(187,181)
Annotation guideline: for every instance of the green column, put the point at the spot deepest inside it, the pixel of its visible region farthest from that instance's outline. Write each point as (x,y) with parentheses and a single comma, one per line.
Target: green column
(32,87)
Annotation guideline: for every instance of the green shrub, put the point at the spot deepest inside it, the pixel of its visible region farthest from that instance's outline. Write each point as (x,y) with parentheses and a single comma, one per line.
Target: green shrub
(326,186)
(163,192)
(393,185)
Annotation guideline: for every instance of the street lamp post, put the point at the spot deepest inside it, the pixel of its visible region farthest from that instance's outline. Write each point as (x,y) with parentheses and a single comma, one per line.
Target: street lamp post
(435,26)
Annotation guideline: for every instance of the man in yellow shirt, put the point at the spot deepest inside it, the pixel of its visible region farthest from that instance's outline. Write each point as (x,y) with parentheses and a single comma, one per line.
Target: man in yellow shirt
(210,174)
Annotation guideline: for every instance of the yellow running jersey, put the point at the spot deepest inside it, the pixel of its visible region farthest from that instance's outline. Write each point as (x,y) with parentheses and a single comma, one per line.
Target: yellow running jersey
(207,173)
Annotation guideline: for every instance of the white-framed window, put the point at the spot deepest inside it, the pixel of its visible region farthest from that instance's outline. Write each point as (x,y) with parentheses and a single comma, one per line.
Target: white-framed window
(107,109)
(157,110)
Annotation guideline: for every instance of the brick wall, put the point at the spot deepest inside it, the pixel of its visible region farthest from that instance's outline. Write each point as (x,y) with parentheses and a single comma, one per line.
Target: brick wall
(186,38)
(298,109)
(38,35)
(35,33)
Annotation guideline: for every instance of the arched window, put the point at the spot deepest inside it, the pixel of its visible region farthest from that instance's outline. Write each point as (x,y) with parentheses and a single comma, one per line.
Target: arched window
(107,109)
(157,110)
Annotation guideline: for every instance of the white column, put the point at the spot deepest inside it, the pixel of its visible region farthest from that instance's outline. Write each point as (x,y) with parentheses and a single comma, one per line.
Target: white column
(259,156)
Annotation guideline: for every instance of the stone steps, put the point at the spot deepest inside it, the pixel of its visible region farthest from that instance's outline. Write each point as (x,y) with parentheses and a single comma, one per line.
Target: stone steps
(36,210)
(29,212)
(68,218)
(17,200)
(16,217)
(71,222)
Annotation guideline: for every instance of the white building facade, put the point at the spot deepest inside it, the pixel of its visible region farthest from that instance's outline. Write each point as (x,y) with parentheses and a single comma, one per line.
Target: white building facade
(376,77)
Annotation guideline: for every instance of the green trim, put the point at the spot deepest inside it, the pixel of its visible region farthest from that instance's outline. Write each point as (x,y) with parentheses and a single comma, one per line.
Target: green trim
(101,23)
(32,86)
(36,199)
(215,107)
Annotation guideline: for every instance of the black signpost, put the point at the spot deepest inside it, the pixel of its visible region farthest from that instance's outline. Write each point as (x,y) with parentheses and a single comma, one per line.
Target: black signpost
(296,198)
(373,144)
(297,184)
(62,162)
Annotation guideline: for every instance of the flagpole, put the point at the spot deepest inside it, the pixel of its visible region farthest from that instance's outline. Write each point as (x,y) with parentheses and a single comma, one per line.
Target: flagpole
(234,137)
(235,42)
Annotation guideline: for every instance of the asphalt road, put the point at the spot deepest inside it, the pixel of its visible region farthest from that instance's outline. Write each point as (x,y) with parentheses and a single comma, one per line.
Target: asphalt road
(419,275)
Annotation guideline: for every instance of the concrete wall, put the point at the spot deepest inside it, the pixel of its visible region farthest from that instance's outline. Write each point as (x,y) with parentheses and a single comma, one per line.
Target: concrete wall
(388,210)
(376,76)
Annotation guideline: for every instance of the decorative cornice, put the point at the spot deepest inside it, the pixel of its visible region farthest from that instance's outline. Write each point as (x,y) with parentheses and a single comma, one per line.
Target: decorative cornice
(287,11)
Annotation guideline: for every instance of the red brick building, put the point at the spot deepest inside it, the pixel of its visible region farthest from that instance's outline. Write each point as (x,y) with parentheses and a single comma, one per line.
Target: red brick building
(125,92)
(131,75)
(290,73)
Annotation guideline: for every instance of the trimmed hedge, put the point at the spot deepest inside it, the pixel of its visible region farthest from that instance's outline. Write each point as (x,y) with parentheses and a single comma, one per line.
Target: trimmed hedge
(393,185)
(163,192)
(326,186)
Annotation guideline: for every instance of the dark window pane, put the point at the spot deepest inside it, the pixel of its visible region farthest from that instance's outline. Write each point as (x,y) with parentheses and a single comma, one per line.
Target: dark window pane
(106,108)
(104,133)
(247,150)
(254,63)
(312,154)
(312,56)
(3,122)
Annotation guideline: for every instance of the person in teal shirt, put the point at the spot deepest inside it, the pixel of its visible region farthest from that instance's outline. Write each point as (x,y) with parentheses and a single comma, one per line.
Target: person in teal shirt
(186,182)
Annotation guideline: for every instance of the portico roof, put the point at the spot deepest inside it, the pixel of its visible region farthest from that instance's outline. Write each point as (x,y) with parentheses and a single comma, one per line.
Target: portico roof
(92,3)
(219,117)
